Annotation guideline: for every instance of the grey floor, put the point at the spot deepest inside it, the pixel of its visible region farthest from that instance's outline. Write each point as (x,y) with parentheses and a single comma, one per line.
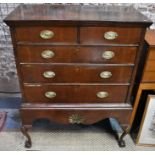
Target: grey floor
(52,136)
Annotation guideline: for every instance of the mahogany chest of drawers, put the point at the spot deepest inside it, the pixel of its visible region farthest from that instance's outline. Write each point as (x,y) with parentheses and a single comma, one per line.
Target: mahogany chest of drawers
(76,64)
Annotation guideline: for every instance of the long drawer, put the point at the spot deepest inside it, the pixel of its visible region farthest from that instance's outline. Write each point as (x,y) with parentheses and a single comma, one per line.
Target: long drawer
(47,34)
(76,73)
(75,94)
(110,35)
(76,54)
(71,116)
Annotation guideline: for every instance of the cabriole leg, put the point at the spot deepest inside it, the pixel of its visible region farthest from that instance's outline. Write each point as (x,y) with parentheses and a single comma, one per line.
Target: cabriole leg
(28,142)
(118,131)
(121,142)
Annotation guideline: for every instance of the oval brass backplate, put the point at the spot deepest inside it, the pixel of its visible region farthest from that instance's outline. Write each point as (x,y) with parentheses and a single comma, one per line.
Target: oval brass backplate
(108,55)
(105,74)
(102,94)
(49,74)
(46,34)
(110,35)
(50,94)
(47,54)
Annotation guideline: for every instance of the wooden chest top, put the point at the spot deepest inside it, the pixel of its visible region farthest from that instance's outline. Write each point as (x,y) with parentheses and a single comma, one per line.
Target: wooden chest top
(76,15)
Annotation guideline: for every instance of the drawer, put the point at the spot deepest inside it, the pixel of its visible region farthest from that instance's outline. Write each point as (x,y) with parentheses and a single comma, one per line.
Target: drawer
(76,54)
(150,66)
(46,34)
(84,116)
(76,73)
(148,77)
(75,93)
(109,35)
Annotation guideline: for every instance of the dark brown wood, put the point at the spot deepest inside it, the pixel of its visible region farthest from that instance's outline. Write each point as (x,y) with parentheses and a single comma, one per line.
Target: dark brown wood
(76,54)
(62,116)
(46,14)
(12,31)
(78,44)
(32,34)
(95,35)
(138,69)
(75,73)
(73,94)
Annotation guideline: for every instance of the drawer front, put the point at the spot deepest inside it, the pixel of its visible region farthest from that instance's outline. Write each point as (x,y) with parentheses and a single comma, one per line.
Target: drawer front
(75,94)
(73,116)
(76,54)
(150,66)
(46,34)
(148,77)
(76,73)
(109,35)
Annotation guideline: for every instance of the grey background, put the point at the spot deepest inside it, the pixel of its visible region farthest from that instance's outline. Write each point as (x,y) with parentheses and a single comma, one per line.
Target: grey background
(7,64)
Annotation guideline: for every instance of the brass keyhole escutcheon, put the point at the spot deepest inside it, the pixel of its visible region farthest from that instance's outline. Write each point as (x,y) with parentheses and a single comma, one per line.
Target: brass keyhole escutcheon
(76,119)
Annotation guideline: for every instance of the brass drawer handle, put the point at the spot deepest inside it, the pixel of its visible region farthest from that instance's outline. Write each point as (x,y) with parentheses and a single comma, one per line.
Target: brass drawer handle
(46,34)
(105,74)
(108,55)
(50,94)
(47,54)
(102,94)
(110,35)
(76,119)
(49,74)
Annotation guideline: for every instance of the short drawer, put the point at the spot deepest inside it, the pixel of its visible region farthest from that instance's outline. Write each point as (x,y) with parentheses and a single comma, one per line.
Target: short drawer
(150,66)
(76,73)
(46,34)
(76,54)
(148,77)
(74,116)
(75,93)
(109,35)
